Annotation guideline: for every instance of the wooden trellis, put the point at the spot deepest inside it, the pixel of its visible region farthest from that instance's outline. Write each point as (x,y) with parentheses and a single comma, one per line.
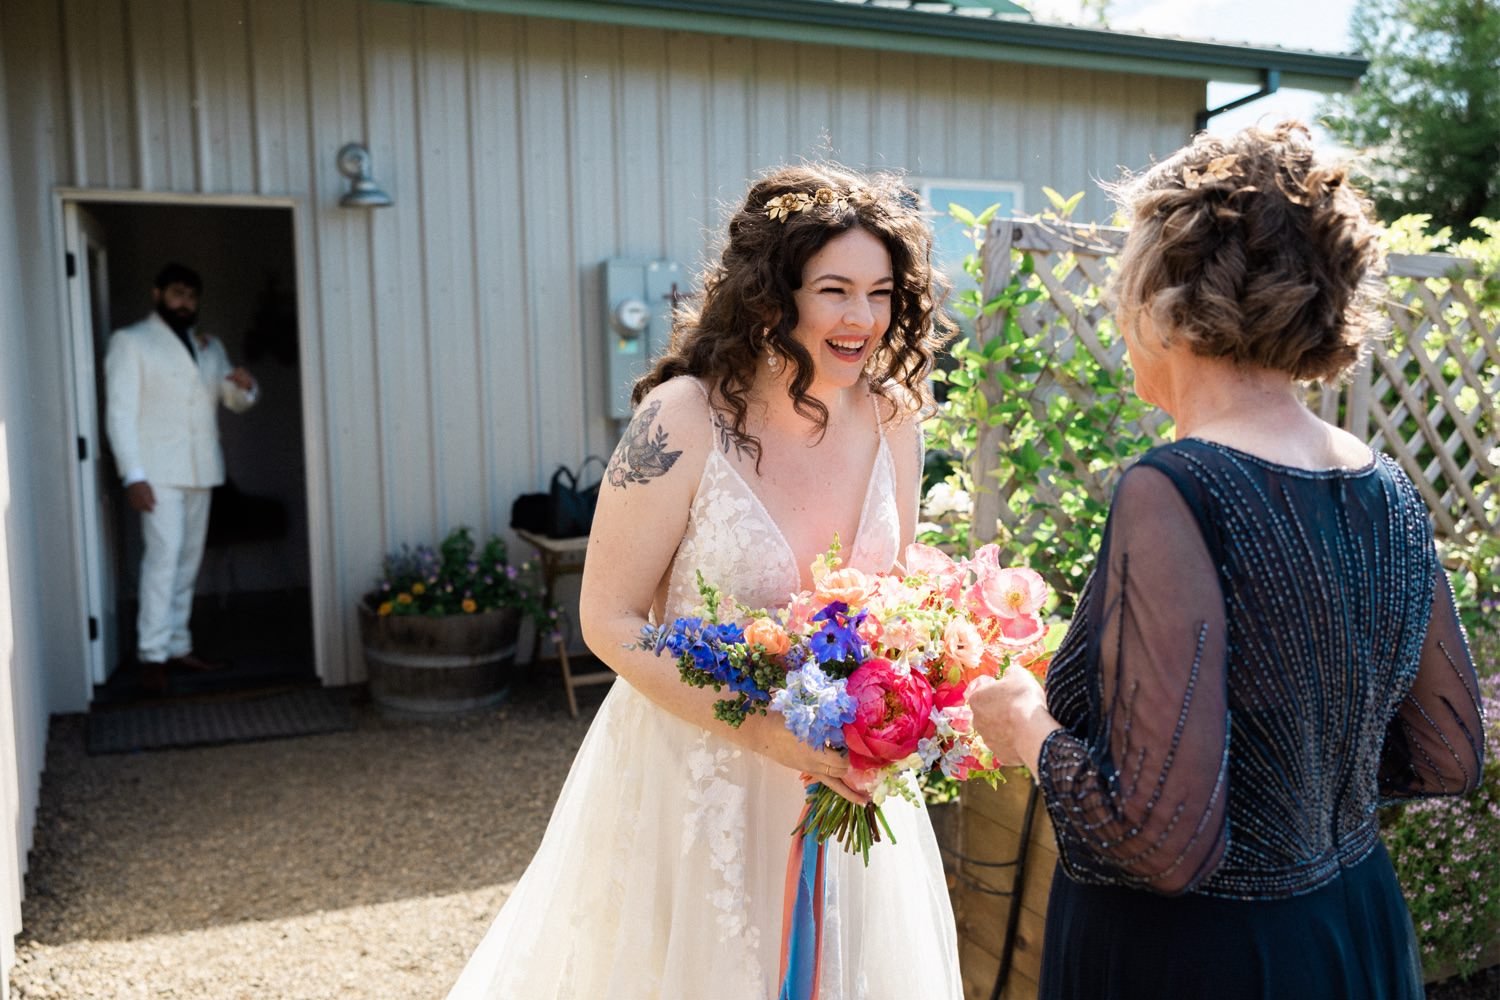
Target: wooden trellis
(1427,395)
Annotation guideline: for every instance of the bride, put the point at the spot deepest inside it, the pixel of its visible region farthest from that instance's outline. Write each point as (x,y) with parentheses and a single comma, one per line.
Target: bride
(784,414)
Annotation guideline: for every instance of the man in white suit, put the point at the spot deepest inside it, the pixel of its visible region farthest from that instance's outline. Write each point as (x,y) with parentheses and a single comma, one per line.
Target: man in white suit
(164,382)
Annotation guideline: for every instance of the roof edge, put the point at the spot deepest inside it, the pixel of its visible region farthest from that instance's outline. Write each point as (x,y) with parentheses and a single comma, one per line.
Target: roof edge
(987,38)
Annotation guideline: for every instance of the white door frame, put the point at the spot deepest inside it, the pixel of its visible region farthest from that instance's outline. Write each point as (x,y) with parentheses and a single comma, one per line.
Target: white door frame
(314,438)
(81,235)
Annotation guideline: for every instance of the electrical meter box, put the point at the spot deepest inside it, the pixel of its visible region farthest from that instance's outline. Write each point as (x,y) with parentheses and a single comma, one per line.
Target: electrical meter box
(638,300)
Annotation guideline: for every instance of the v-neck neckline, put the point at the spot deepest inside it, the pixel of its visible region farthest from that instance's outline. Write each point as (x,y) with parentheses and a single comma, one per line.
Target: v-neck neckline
(786,545)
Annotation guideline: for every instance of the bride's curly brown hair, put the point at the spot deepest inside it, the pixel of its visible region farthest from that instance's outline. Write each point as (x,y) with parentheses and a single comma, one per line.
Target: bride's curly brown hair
(747,307)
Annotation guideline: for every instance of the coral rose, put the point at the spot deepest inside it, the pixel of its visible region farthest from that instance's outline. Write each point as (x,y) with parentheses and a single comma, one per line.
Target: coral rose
(765,632)
(892,713)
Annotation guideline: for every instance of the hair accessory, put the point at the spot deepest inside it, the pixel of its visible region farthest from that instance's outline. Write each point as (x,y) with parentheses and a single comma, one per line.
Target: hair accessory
(783,206)
(1221,168)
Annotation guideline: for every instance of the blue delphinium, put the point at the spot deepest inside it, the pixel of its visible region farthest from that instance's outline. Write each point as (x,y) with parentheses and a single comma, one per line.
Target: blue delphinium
(703,647)
(838,639)
(816,707)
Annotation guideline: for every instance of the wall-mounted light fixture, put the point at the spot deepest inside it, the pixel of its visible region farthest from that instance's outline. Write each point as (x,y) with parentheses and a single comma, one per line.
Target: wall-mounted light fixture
(354,163)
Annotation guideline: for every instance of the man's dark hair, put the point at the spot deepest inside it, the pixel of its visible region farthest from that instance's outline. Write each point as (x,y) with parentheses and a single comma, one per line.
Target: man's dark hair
(179,274)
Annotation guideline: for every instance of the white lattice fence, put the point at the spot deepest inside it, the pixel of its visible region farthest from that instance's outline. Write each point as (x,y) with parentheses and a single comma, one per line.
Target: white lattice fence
(1428,396)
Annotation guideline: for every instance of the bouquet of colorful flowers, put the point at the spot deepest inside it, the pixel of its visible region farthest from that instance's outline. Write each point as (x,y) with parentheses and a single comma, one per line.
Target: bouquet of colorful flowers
(874,665)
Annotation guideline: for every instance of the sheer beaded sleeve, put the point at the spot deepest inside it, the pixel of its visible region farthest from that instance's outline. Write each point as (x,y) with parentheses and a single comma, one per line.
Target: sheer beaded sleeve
(1138,791)
(1434,744)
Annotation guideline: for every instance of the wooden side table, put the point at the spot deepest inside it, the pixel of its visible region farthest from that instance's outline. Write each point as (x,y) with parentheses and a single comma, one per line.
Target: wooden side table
(561,557)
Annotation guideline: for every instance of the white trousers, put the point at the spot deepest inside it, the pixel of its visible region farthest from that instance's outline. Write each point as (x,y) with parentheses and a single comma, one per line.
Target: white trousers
(174,534)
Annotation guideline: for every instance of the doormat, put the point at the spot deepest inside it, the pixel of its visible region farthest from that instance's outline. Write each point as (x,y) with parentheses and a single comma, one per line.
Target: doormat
(205,723)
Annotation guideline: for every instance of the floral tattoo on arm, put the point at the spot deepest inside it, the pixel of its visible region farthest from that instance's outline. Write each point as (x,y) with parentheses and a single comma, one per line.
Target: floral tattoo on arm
(642,454)
(729,440)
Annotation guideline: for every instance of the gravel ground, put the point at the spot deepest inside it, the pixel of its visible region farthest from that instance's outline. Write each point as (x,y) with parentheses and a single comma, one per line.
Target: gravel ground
(359,864)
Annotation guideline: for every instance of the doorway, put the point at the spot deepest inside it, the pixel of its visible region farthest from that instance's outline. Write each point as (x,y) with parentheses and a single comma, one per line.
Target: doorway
(252,607)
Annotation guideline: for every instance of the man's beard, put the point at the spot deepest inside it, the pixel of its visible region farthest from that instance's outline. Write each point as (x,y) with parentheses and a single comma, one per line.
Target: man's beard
(180,320)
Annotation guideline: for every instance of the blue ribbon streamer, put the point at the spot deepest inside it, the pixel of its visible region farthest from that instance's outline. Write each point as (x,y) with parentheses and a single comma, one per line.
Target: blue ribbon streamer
(800,982)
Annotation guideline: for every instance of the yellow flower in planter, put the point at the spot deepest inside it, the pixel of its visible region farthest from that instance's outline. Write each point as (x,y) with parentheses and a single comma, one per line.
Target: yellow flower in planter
(469,606)
(419,588)
(403,598)
(384,609)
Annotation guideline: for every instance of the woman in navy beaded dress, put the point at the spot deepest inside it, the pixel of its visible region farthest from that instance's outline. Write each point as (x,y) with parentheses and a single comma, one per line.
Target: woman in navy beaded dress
(1267,649)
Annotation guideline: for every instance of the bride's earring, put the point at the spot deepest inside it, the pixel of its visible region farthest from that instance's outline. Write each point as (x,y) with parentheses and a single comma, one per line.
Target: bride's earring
(773,360)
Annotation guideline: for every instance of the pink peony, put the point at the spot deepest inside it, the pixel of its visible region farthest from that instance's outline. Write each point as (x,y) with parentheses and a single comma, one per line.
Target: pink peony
(893,712)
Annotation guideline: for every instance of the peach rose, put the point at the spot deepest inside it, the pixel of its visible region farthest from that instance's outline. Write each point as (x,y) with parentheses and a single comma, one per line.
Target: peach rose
(847,585)
(765,632)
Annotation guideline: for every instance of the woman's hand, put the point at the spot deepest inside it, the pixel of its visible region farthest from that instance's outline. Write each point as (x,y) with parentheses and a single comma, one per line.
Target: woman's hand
(767,735)
(1011,715)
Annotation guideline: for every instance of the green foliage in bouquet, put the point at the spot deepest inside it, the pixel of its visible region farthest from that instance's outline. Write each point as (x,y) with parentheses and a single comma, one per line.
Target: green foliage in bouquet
(456,578)
(1072,434)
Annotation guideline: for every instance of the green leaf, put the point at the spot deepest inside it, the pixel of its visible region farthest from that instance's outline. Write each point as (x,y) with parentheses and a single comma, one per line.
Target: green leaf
(962,214)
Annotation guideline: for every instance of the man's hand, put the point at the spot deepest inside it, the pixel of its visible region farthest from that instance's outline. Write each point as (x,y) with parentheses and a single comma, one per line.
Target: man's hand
(141,497)
(242,379)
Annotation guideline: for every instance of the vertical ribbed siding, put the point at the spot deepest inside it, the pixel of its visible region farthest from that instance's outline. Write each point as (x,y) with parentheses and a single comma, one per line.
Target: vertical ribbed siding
(457,345)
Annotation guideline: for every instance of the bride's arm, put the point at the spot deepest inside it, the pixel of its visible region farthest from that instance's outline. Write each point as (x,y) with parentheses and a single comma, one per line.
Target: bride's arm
(642,514)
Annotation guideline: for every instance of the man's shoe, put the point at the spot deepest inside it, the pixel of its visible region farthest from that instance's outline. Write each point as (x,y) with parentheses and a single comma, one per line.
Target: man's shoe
(153,676)
(190,661)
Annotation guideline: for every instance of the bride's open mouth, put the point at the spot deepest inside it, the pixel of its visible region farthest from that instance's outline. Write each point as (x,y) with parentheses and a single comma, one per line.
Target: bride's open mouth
(847,348)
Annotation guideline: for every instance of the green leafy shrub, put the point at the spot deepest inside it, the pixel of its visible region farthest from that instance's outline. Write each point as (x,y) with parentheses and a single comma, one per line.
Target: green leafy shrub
(1446,852)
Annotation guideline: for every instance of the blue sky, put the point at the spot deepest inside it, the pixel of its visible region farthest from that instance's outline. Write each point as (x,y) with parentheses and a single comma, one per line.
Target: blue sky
(1319,25)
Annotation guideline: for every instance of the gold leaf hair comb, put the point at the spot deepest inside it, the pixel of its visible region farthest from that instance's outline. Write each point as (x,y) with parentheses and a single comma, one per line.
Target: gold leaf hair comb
(1220,168)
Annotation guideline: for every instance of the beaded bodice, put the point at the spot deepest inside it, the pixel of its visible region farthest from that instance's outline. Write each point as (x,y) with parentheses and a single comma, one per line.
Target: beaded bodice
(1261,655)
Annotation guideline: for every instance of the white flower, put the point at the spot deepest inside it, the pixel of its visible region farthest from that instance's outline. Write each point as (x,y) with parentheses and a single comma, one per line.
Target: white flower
(944,498)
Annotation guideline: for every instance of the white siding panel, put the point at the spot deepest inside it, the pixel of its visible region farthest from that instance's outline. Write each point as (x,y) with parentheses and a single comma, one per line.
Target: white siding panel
(546,234)
(851,119)
(221,72)
(690,182)
(507,345)
(448,262)
(404,417)
(23,704)
(341,286)
(600,201)
(726,130)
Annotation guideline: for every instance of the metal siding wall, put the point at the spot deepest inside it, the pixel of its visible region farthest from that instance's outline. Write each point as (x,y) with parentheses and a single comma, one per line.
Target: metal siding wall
(457,338)
(24,557)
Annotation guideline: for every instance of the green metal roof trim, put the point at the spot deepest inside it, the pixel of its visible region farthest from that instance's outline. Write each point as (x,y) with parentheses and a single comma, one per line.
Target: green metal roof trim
(994,30)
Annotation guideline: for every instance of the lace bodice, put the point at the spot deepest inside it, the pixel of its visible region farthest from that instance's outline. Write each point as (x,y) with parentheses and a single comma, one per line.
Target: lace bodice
(733,541)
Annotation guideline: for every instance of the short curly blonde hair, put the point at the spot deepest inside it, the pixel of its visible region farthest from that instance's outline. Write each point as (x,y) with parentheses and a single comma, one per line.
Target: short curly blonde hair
(1247,248)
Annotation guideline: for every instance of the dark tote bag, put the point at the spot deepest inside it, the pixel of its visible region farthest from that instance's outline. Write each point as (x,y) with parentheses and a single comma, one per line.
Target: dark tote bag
(566,510)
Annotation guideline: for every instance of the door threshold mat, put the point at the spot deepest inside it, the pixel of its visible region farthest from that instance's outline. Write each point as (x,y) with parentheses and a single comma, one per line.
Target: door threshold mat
(302,712)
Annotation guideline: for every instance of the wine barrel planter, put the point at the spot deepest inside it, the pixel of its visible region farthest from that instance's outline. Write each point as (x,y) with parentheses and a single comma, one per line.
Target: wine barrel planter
(425,665)
(1000,934)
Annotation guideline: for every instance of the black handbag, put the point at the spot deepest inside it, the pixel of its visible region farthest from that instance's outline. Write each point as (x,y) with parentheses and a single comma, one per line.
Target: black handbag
(566,510)
(571,511)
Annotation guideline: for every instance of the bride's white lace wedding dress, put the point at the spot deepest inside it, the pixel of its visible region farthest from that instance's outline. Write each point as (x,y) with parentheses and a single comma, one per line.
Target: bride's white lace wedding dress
(662,870)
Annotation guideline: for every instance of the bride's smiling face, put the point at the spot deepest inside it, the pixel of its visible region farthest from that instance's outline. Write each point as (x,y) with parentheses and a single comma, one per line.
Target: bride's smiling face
(844,305)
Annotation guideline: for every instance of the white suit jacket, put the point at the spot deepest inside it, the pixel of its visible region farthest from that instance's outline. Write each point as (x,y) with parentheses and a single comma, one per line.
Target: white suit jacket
(161,407)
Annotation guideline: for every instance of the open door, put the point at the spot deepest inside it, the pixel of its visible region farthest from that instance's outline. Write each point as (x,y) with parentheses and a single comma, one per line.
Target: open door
(88,306)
